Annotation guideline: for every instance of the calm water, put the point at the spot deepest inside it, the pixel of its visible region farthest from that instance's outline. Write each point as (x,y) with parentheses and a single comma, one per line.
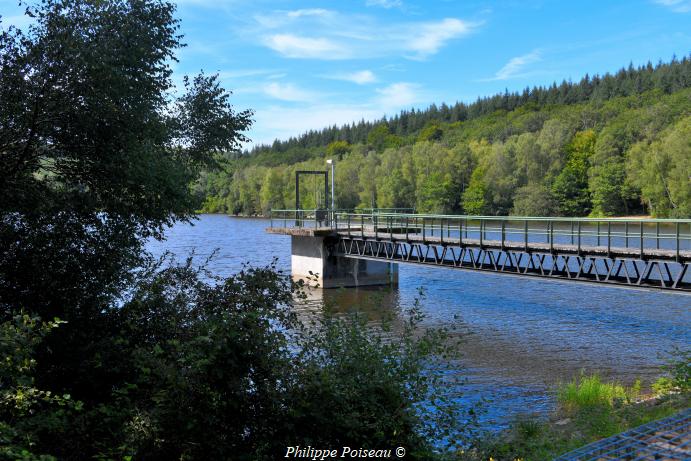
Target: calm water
(521,335)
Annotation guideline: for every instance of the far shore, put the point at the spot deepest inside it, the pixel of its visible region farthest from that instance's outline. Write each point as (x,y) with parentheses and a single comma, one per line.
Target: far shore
(267,217)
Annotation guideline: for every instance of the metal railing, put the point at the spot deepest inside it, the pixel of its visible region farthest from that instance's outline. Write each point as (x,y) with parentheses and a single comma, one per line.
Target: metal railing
(668,439)
(603,234)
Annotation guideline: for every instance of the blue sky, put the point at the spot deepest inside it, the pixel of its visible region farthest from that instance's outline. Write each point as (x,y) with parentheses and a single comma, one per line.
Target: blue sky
(308,64)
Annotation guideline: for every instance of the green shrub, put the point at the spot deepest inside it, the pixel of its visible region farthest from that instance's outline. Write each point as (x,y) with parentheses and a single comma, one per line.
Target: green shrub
(589,391)
(663,386)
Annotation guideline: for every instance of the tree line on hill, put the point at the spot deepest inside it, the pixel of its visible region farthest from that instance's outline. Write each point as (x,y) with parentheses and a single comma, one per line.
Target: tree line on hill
(606,146)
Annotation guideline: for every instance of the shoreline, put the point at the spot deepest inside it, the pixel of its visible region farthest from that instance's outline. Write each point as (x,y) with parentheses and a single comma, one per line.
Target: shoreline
(565,217)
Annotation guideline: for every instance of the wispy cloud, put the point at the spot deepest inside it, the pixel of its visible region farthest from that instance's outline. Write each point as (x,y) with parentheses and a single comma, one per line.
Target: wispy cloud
(432,36)
(288,92)
(515,68)
(361,77)
(243,73)
(678,6)
(338,36)
(294,46)
(384,3)
(398,95)
(308,12)
(281,122)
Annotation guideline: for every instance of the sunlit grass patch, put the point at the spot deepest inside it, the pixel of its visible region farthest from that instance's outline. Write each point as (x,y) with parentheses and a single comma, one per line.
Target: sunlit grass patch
(590,391)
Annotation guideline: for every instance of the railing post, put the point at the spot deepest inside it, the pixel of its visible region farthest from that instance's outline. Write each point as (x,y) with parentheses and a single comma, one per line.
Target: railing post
(572,232)
(460,232)
(503,233)
(641,246)
(441,229)
(390,227)
(579,238)
(406,229)
(657,235)
(626,234)
(598,233)
(482,231)
(525,234)
(551,237)
(349,232)
(609,239)
(677,232)
(362,226)
(375,220)
(423,229)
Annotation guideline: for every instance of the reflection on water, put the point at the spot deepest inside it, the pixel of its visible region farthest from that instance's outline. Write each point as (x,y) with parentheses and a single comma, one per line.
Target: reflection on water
(520,335)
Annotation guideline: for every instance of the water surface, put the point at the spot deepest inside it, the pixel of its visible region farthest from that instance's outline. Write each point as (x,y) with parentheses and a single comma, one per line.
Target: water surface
(521,336)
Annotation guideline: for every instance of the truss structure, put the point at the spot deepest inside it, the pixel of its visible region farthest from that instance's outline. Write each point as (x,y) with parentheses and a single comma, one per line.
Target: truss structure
(607,269)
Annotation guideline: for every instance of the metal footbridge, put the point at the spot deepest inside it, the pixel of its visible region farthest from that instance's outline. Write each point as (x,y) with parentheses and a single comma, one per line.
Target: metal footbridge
(651,253)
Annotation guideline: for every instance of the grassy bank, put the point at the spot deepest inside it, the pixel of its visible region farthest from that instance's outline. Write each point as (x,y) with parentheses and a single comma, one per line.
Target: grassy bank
(588,410)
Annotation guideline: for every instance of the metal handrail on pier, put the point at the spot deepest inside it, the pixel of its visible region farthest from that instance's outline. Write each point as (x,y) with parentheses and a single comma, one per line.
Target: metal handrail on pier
(666,238)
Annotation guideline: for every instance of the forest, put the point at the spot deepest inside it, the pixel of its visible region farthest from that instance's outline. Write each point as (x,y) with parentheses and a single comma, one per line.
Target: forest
(612,145)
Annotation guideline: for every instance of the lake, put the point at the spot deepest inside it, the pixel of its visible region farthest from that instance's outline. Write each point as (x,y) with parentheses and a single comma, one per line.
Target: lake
(521,336)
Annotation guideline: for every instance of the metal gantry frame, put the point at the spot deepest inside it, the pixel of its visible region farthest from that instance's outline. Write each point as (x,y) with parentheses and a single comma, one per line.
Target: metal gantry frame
(297,191)
(632,252)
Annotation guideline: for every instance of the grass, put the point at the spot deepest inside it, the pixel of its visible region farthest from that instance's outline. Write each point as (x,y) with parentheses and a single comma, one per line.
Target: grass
(588,410)
(589,392)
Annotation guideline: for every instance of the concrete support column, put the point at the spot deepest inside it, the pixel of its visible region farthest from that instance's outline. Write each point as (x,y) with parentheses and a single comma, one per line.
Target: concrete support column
(331,271)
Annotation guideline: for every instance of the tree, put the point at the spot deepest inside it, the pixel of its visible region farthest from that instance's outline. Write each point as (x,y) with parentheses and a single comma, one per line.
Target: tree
(475,196)
(662,170)
(570,187)
(337,149)
(431,132)
(96,156)
(534,200)
(272,191)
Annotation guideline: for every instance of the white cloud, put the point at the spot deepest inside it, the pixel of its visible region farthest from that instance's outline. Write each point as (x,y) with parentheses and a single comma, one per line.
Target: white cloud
(434,35)
(308,12)
(288,92)
(361,77)
(278,122)
(334,35)
(398,96)
(679,6)
(384,3)
(282,122)
(242,73)
(293,46)
(516,66)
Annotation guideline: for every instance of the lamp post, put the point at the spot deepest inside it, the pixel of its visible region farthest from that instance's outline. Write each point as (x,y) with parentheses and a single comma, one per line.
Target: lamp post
(333,200)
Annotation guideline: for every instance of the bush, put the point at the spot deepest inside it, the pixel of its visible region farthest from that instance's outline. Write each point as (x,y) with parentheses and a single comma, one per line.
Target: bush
(206,368)
(589,392)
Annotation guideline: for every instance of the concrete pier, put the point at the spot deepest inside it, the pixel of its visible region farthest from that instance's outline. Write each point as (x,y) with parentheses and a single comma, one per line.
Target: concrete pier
(314,259)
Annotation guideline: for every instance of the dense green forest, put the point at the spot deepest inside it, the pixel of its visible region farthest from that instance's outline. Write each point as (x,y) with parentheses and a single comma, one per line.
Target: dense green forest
(605,146)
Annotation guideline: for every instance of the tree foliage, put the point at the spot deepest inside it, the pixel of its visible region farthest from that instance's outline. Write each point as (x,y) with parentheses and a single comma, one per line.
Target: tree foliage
(621,154)
(145,359)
